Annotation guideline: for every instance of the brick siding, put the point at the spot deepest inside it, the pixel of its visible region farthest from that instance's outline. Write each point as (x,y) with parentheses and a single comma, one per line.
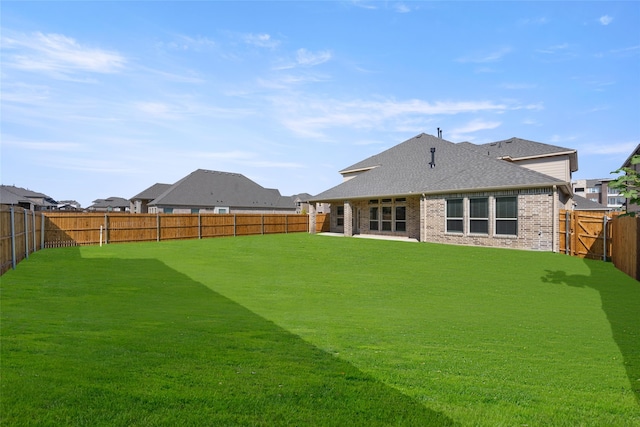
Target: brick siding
(426,220)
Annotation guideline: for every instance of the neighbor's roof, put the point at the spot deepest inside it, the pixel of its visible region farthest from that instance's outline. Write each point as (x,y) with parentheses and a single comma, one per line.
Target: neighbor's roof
(152,192)
(583,204)
(520,149)
(206,188)
(12,195)
(405,169)
(113,202)
(636,152)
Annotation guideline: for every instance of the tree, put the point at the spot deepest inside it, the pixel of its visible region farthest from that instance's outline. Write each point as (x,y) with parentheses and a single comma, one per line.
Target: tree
(628,184)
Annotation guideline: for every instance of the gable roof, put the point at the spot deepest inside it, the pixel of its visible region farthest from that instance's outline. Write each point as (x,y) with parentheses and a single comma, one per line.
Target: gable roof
(12,195)
(207,188)
(405,169)
(152,192)
(110,202)
(583,204)
(522,149)
(636,152)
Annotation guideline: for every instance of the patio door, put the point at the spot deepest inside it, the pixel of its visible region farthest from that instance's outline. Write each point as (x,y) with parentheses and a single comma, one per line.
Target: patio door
(356,222)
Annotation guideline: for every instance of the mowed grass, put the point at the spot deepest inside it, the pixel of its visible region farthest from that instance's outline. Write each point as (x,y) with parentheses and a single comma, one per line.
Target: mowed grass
(316,330)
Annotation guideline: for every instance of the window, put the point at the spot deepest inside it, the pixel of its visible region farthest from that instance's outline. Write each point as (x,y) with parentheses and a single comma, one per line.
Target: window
(507,215)
(593,190)
(388,215)
(168,210)
(340,216)
(373,218)
(579,190)
(401,218)
(386,218)
(454,216)
(479,216)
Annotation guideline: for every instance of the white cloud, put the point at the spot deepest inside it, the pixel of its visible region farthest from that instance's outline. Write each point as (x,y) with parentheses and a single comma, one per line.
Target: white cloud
(484,57)
(608,147)
(261,40)
(183,42)
(518,86)
(401,8)
(309,59)
(57,55)
(554,49)
(311,118)
(476,125)
(40,145)
(605,20)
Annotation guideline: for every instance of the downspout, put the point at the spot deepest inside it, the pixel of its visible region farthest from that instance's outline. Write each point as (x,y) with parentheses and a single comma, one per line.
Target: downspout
(556,218)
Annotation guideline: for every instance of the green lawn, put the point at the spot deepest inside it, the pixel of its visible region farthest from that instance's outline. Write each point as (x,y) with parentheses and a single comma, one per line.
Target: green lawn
(315,330)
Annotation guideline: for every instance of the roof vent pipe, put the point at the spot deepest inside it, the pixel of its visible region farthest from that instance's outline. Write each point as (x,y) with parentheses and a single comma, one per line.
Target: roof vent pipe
(439,133)
(432,164)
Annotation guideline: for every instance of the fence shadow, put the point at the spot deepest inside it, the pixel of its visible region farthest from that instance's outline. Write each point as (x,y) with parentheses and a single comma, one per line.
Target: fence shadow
(620,296)
(195,354)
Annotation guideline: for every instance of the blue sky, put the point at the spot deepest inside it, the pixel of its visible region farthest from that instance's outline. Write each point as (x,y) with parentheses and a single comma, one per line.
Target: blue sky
(104,99)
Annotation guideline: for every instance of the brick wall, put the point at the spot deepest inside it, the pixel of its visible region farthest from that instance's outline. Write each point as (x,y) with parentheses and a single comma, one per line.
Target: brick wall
(535,221)
(426,220)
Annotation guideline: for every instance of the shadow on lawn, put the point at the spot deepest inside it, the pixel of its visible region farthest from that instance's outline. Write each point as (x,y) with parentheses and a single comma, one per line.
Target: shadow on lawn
(136,342)
(620,295)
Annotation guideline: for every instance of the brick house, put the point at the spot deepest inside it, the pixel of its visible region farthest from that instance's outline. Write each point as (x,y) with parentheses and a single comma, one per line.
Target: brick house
(433,190)
(208,191)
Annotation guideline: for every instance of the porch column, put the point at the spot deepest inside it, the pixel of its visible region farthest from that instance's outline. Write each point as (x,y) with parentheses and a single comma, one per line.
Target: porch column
(312,218)
(423,219)
(348,219)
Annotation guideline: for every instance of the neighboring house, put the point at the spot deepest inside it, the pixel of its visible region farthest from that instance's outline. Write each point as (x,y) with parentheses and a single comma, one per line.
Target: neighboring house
(583,204)
(27,199)
(302,204)
(433,190)
(220,192)
(627,164)
(69,205)
(111,204)
(598,191)
(140,202)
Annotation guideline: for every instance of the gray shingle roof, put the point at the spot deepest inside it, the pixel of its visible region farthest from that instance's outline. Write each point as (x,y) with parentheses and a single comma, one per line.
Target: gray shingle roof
(12,195)
(206,188)
(518,148)
(152,192)
(404,169)
(584,204)
(113,202)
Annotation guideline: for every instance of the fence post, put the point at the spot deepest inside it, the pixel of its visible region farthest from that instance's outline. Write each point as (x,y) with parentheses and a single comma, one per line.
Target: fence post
(605,223)
(26,233)
(13,238)
(262,224)
(234,225)
(567,233)
(574,233)
(33,225)
(199,227)
(42,230)
(157,226)
(106,229)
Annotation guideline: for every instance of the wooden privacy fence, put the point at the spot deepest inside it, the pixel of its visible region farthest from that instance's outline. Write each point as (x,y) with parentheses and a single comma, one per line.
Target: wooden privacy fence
(585,234)
(63,229)
(626,244)
(22,231)
(604,236)
(20,235)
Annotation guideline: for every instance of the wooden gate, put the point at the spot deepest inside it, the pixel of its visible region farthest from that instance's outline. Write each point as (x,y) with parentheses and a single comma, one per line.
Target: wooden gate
(585,234)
